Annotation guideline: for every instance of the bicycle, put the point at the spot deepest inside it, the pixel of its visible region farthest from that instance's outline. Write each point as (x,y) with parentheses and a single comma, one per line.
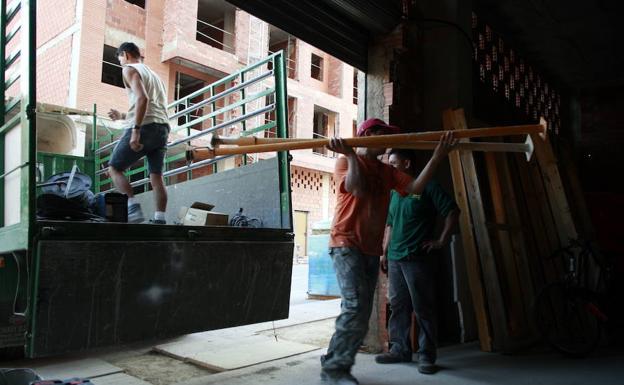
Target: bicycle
(570,314)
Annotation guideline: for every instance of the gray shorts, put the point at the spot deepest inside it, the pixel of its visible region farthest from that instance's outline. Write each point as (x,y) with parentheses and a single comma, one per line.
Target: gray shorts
(154,141)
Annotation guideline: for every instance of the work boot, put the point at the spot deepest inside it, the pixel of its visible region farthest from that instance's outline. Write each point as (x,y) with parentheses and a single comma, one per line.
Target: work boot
(135,214)
(426,366)
(392,358)
(338,377)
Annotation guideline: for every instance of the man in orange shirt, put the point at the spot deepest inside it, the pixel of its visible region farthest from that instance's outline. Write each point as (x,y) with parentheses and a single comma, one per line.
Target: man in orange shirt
(364,185)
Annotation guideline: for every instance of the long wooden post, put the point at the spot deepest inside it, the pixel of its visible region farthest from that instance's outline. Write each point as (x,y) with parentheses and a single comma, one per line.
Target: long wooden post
(207,153)
(554,189)
(496,304)
(473,266)
(514,298)
(522,257)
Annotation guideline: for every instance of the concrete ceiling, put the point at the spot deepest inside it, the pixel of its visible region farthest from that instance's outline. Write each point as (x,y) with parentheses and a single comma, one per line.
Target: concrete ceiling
(341,28)
(577,42)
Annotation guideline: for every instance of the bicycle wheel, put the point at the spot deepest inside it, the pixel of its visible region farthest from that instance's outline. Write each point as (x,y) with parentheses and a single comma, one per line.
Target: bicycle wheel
(567,319)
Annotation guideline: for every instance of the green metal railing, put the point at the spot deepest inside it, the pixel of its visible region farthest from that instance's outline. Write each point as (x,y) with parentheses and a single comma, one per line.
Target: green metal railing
(248,78)
(17,124)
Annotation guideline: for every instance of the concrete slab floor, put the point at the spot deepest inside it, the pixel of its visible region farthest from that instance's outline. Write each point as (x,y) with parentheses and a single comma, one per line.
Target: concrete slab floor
(460,365)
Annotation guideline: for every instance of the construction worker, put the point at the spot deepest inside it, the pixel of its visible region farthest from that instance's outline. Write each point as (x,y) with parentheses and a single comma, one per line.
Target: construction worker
(410,260)
(147,129)
(363,194)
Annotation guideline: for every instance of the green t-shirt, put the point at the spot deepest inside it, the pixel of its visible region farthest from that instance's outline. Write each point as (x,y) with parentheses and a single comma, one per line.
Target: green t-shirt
(413,217)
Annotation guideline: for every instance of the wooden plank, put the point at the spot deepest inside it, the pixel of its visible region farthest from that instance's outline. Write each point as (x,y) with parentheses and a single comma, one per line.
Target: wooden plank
(496,305)
(368,141)
(473,266)
(518,239)
(553,242)
(514,298)
(525,220)
(462,294)
(534,224)
(554,189)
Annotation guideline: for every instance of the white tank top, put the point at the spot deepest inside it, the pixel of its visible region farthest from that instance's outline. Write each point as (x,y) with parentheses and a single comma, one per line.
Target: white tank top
(156,111)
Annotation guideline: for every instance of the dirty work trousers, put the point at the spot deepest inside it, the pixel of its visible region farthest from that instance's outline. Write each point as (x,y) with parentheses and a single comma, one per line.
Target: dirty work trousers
(357,278)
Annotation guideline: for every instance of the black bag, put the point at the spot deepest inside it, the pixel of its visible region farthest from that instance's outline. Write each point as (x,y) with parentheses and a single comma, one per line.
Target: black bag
(67,196)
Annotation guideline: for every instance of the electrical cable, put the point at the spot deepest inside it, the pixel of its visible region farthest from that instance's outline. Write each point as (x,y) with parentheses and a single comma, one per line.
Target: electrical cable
(240,220)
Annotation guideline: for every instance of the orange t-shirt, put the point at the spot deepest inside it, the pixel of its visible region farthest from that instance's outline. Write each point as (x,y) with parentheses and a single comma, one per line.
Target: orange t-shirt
(359,221)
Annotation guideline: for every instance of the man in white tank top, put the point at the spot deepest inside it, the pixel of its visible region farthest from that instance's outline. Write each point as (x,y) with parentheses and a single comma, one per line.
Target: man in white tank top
(147,129)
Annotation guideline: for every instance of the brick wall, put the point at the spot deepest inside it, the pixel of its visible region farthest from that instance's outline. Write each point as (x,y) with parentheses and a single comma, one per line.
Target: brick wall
(53,73)
(307,188)
(307,193)
(58,16)
(179,32)
(90,88)
(241,31)
(334,76)
(100,22)
(127,17)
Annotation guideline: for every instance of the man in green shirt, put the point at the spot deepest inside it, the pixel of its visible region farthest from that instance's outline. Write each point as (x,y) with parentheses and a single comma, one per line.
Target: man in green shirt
(410,260)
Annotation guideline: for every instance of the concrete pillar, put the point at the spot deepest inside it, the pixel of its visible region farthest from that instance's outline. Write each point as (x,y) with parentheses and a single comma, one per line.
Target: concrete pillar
(378,101)
(229,24)
(447,59)
(414,73)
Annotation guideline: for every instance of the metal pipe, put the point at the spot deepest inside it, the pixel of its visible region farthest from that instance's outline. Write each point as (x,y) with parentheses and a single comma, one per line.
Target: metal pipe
(204,132)
(222,81)
(179,170)
(263,110)
(221,95)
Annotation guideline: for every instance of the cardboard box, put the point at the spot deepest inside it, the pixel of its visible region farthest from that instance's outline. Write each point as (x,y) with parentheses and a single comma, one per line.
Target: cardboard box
(199,214)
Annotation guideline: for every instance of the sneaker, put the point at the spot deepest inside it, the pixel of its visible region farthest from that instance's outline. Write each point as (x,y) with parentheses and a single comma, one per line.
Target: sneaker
(392,358)
(135,214)
(427,367)
(157,222)
(338,377)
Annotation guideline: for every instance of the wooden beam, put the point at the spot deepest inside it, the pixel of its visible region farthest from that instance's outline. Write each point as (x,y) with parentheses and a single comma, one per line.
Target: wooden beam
(473,266)
(554,189)
(201,153)
(522,258)
(365,141)
(514,298)
(539,221)
(483,132)
(496,304)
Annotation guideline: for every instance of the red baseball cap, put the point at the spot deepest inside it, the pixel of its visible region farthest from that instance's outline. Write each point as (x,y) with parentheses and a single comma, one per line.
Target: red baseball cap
(376,124)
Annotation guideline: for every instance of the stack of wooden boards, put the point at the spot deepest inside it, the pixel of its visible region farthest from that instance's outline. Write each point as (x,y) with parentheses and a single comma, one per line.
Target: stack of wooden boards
(514,215)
